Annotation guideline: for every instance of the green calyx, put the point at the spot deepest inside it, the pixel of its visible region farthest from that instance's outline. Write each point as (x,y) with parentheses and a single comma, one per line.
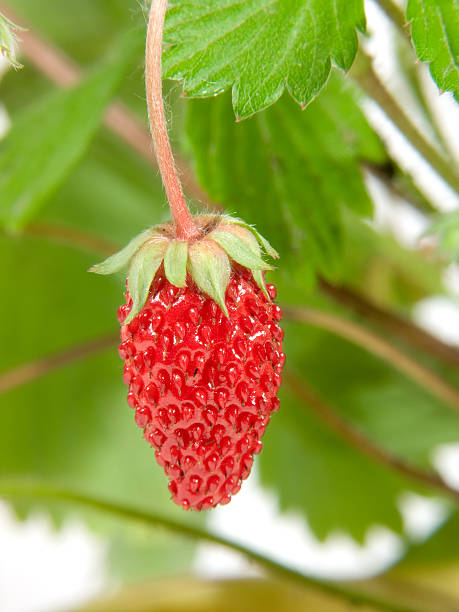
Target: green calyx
(8,40)
(208,260)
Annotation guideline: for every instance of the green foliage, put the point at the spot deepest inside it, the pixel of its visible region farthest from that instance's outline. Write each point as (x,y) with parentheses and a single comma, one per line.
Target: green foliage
(336,486)
(446,227)
(72,426)
(297,176)
(260,47)
(49,139)
(436,548)
(290,172)
(435,32)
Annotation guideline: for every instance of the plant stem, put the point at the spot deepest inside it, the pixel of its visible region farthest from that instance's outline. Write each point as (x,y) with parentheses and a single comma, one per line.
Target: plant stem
(371,84)
(62,71)
(184,224)
(334,421)
(396,15)
(400,184)
(41,367)
(35,369)
(392,323)
(31,489)
(373,343)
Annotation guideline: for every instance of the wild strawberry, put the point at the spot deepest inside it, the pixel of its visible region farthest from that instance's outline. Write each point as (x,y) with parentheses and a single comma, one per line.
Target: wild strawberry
(202,347)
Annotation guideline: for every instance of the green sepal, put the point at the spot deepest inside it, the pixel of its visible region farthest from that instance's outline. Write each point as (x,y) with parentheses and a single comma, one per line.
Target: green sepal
(269,250)
(175,261)
(239,250)
(121,259)
(259,279)
(8,40)
(210,269)
(142,270)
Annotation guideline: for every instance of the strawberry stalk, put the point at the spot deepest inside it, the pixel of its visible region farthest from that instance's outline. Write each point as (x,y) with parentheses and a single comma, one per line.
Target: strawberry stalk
(186,229)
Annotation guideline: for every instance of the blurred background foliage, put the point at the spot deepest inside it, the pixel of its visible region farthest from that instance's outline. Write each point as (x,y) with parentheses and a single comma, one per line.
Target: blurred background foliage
(71,191)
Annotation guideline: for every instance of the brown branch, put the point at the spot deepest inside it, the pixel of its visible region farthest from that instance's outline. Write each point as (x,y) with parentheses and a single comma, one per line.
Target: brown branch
(335,422)
(396,15)
(376,345)
(400,184)
(73,237)
(363,73)
(63,71)
(392,323)
(41,367)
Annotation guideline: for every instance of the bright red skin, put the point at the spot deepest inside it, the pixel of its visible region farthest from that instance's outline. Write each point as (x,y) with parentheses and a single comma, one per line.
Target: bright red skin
(203,386)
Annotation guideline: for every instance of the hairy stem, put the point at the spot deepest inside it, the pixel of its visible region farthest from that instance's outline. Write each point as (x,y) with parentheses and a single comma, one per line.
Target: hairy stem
(373,343)
(334,421)
(15,489)
(183,220)
(62,71)
(371,84)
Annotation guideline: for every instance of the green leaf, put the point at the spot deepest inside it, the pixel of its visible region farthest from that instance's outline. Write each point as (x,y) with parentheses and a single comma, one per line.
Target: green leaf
(48,140)
(97,23)
(377,266)
(210,269)
(142,270)
(238,250)
(110,180)
(73,426)
(259,47)
(175,262)
(314,471)
(447,228)
(435,549)
(435,33)
(289,172)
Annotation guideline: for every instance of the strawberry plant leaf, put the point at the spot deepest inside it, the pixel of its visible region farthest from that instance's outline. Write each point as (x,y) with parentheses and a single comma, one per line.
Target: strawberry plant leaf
(435,33)
(335,485)
(446,226)
(289,172)
(260,47)
(436,549)
(48,140)
(73,426)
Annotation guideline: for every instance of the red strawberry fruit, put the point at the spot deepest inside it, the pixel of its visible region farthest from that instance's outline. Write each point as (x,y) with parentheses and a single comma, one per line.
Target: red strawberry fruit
(202,347)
